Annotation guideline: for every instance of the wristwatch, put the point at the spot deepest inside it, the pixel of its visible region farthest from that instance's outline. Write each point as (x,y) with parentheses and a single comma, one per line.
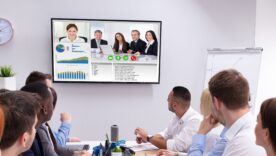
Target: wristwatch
(149,137)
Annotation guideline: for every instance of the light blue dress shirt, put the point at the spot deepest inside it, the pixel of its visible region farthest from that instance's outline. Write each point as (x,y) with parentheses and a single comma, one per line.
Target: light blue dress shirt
(62,135)
(198,145)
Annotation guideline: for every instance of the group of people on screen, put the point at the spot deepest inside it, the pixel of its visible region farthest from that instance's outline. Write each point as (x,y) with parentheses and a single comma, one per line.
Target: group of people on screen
(225,125)
(137,46)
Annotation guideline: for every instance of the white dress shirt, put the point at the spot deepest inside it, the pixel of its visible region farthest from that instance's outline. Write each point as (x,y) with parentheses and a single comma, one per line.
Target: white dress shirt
(241,138)
(180,131)
(77,40)
(148,45)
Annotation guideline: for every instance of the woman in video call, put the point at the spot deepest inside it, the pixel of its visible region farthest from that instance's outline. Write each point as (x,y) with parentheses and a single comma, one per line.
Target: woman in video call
(152,45)
(120,44)
(266,127)
(72,37)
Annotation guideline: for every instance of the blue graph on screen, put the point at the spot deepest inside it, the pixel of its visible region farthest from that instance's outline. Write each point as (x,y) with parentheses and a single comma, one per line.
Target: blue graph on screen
(72,75)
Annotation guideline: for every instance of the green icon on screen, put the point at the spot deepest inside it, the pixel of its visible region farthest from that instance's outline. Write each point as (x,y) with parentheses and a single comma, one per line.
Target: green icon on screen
(125,57)
(118,58)
(110,57)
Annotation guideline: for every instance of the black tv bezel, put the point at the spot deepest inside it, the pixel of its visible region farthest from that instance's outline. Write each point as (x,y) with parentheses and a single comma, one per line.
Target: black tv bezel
(105,82)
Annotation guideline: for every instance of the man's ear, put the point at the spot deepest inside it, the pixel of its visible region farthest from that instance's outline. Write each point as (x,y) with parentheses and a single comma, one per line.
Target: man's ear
(267,135)
(44,109)
(217,103)
(23,139)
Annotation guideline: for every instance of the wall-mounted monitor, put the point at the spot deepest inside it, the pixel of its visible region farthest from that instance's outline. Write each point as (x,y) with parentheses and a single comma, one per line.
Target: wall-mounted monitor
(111,51)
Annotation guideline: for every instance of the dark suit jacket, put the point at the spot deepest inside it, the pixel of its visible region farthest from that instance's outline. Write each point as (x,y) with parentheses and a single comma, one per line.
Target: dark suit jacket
(152,50)
(124,49)
(94,43)
(139,46)
(36,148)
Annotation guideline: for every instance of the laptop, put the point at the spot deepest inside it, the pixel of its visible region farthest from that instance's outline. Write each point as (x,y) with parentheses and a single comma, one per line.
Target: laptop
(106,49)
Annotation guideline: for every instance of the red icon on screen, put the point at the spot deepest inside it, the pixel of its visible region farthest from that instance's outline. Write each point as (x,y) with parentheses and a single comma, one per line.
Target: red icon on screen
(133,58)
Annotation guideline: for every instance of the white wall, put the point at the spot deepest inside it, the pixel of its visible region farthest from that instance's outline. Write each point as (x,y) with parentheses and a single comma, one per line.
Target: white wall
(266,38)
(189,28)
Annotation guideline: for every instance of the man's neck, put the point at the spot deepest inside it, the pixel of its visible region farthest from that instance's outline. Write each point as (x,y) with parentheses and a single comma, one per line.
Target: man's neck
(233,116)
(180,113)
(10,152)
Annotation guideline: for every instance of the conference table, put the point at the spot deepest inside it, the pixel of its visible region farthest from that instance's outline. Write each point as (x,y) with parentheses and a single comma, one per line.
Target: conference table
(145,149)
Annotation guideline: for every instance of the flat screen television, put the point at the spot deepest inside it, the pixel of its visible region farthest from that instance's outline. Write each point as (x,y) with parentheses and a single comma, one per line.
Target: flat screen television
(106,51)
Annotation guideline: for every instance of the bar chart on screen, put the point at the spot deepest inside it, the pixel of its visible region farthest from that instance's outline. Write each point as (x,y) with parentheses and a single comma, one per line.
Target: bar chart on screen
(72,75)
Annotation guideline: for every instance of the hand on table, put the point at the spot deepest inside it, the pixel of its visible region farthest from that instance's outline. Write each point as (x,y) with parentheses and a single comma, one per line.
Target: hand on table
(81,153)
(74,139)
(141,135)
(129,51)
(163,152)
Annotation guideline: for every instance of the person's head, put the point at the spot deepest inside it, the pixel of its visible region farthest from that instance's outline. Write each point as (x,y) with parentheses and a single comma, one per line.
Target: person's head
(72,30)
(266,126)
(20,110)
(179,99)
(150,35)
(230,93)
(46,103)
(119,37)
(205,103)
(135,34)
(37,76)
(98,34)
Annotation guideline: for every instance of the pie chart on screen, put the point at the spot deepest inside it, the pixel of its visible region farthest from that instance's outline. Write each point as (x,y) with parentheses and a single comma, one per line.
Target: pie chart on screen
(60,48)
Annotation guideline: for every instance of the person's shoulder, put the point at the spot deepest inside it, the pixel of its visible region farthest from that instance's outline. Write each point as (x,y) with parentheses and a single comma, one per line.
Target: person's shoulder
(193,114)
(243,145)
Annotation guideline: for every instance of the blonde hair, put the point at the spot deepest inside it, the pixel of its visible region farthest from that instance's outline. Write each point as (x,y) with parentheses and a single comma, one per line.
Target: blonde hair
(205,102)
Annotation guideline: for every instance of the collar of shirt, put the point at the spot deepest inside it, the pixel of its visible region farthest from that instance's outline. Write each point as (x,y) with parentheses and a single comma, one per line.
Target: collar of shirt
(186,115)
(238,125)
(151,42)
(77,37)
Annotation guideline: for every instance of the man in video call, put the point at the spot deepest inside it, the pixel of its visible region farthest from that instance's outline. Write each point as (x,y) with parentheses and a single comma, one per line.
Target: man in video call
(137,46)
(97,41)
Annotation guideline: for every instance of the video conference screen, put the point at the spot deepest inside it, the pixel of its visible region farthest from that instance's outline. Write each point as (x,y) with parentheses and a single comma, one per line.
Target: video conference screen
(116,51)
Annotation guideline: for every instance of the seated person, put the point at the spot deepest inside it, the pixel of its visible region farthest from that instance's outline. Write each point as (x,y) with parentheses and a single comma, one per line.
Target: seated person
(120,44)
(97,41)
(212,136)
(152,45)
(137,46)
(265,130)
(72,37)
(230,107)
(178,135)
(62,135)
(47,143)
(20,109)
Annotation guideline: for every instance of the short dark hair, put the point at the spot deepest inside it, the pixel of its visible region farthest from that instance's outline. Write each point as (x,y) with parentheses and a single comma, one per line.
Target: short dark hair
(2,122)
(136,31)
(54,93)
(231,88)
(38,87)
(20,109)
(37,76)
(182,94)
(71,25)
(98,31)
(268,115)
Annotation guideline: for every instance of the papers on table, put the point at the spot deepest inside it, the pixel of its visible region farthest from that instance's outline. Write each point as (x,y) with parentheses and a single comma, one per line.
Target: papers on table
(141,147)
